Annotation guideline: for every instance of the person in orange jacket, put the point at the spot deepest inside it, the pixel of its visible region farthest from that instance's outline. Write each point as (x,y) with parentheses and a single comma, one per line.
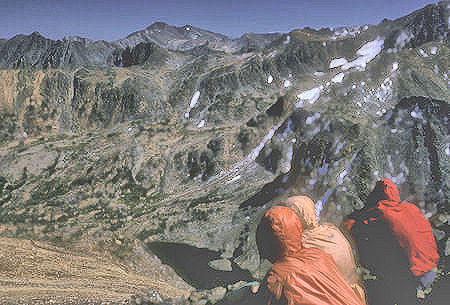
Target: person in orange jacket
(299,275)
(326,237)
(396,243)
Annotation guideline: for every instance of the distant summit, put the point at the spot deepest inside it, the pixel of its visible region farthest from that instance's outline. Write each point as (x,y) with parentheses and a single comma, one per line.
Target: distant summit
(177,38)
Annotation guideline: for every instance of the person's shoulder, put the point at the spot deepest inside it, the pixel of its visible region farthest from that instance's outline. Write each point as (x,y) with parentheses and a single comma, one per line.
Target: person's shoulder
(316,255)
(409,205)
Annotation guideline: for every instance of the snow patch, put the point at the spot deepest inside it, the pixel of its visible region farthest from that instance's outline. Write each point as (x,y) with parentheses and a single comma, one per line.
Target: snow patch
(254,154)
(339,146)
(201,124)
(433,50)
(287,130)
(347,31)
(312,118)
(338,78)
(422,52)
(234,179)
(416,113)
(272,54)
(319,74)
(436,69)
(286,165)
(323,169)
(403,39)
(367,52)
(288,39)
(338,62)
(270,79)
(287,83)
(192,104)
(394,66)
(311,95)
(342,176)
(194,99)
(290,153)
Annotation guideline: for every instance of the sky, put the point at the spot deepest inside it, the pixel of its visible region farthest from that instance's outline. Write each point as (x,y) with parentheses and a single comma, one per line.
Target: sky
(114,19)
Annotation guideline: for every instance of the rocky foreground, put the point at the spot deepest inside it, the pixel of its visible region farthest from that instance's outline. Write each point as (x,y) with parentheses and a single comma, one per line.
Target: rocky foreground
(146,163)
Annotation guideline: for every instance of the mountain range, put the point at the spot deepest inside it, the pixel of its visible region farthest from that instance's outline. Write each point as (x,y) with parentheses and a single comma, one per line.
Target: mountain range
(160,151)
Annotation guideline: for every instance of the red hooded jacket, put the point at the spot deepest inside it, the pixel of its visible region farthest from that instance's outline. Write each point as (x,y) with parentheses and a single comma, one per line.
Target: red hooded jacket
(299,275)
(412,229)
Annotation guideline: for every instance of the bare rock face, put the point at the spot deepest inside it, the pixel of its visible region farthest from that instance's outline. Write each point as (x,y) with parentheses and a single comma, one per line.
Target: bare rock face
(189,37)
(181,147)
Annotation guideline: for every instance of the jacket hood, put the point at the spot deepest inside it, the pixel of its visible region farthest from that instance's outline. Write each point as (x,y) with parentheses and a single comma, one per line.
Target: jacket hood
(279,233)
(388,190)
(304,207)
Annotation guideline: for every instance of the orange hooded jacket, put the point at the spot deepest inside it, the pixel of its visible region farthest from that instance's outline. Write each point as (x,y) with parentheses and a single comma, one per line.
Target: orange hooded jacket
(326,237)
(299,275)
(411,228)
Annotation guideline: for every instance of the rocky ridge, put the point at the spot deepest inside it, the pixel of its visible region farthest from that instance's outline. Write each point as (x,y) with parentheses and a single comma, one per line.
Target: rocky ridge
(182,146)
(37,52)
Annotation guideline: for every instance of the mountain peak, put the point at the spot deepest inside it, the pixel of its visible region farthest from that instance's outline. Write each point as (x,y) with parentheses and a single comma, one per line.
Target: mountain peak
(158,25)
(36,33)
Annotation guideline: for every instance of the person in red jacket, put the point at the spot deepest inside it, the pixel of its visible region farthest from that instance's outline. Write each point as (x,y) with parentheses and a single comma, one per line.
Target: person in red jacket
(389,234)
(298,275)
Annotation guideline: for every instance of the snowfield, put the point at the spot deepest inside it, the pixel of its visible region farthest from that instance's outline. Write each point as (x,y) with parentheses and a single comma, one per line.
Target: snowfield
(366,53)
(194,99)
(338,78)
(311,96)
(338,62)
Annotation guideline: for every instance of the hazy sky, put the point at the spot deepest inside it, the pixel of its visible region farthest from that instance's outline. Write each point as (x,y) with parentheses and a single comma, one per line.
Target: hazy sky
(114,19)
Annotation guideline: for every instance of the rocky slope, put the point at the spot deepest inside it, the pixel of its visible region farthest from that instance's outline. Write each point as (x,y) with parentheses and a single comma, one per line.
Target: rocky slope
(39,273)
(181,146)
